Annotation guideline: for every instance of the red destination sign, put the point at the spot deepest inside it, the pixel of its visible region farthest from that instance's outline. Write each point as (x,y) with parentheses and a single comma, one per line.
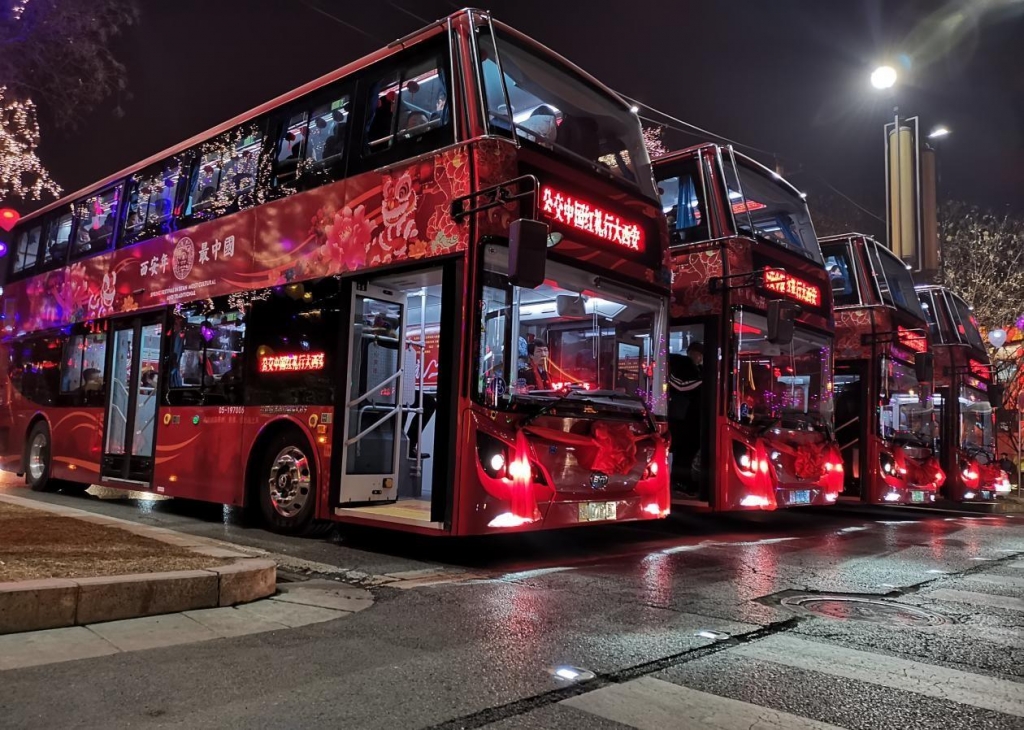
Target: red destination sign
(298,363)
(981,369)
(778,281)
(589,218)
(915,341)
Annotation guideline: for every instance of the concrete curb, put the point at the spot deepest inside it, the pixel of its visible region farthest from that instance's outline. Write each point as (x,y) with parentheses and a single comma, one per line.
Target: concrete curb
(60,602)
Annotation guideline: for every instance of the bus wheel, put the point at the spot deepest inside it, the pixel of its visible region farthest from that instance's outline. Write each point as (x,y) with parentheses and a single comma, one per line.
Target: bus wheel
(287,484)
(37,460)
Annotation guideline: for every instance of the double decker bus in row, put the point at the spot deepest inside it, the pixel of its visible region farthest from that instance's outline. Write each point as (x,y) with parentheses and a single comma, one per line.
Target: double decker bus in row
(885,415)
(965,398)
(426,291)
(750,299)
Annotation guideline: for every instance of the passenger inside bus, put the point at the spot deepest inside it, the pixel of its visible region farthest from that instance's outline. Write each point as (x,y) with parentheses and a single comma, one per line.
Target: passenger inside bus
(92,380)
(685,394)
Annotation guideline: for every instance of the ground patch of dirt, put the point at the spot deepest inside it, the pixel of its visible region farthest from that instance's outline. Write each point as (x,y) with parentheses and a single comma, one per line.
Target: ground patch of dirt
(37,544)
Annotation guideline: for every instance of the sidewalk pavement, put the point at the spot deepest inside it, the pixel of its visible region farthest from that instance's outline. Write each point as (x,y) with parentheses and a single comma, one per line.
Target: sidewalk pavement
(62,619)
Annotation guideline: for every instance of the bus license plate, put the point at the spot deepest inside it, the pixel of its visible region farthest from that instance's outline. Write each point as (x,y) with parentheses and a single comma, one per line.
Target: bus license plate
(917,496)
(802,496)
(595,511)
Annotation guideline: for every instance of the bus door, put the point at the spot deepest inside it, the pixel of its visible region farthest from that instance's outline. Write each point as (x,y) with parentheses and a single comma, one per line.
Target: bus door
(852,419)
(373,402)
(132,398)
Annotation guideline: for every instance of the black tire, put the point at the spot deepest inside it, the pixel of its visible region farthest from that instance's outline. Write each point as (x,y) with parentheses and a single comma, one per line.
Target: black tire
(74,489)
(285,482)
(38,459)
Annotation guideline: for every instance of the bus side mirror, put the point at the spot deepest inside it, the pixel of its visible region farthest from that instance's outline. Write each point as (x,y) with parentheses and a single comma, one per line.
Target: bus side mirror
(924,367)
(527,252)
(780,321)
(995,395)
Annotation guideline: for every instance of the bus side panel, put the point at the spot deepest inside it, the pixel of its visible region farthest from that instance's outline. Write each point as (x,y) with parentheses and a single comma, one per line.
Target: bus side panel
(77,443)
(199,453)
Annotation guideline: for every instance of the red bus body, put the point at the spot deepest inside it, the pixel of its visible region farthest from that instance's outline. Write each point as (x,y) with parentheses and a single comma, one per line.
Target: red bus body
(963,387)
(768,445)
(395,254)
(884,415)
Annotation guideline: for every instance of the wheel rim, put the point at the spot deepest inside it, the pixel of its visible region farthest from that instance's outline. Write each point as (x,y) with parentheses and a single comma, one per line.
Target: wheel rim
(289,482)
(37,457)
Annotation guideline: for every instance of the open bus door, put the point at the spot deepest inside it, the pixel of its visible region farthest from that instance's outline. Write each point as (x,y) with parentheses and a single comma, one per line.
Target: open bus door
(373,400)
(852,420)
(133,363)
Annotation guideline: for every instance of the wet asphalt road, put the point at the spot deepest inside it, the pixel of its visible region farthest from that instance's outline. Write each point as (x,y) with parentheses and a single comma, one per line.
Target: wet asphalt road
(625,603)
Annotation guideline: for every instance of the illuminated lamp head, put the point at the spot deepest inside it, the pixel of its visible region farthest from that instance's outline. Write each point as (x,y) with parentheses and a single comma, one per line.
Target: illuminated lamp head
(8,217)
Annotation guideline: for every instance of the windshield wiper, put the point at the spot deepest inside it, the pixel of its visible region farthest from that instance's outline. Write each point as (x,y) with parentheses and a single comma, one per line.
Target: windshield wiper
(569,391)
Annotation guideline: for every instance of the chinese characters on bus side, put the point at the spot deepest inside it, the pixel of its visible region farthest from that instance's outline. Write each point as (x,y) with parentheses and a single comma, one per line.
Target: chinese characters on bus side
(589,218)
(297,363)
(778,281)
(218,250)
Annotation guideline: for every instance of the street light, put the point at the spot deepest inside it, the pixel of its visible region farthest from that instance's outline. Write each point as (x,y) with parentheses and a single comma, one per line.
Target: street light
(883,77)
(939,132)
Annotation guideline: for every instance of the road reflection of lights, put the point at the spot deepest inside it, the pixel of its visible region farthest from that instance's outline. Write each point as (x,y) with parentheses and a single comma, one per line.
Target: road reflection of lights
(855,528)
(933,571)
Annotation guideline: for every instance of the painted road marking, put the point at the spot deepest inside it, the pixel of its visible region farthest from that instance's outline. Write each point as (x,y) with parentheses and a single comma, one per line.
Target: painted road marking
(978,599)
(654,704)
(976,690)
(1005,581)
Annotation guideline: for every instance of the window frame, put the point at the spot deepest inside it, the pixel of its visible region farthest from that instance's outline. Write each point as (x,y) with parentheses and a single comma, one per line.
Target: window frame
(844,251)
(703,230)
(185,214)
(13,273)
(367,82)
(112,238)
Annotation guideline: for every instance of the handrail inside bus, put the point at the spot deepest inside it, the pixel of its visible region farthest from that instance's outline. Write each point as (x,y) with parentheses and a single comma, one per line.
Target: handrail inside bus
(374,389)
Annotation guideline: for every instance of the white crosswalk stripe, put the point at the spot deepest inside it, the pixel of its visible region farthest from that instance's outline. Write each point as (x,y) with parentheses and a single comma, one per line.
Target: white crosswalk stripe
(653,704)
(649,703)
(973,598)
(931,680)
(1005,581)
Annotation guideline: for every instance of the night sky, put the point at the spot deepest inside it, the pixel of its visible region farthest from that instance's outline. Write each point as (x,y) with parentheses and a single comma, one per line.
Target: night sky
(787,76)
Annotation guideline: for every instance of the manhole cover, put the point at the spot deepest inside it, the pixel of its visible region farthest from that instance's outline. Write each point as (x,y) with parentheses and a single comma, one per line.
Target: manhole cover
(857,608)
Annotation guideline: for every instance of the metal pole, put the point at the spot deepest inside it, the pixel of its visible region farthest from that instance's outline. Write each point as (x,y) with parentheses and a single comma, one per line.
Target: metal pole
(898,216)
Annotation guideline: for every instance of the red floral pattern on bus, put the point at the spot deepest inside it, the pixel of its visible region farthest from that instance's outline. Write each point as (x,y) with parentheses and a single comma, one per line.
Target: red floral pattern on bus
(691,276)
(368,220)
(850,325)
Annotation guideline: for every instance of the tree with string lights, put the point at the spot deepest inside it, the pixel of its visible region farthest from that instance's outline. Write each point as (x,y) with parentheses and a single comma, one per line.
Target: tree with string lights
(22,175)
(982,260)
(654,142)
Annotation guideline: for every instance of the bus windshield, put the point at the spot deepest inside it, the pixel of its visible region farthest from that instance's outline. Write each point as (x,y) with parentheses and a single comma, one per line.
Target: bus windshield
(895,284)
(967,324)
(576,336)
(976,432)
(769,209)
(907,414)
(552,106)
(774,384)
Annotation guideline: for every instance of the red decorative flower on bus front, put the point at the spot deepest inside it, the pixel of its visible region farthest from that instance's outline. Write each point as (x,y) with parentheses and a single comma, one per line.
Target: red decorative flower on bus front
(348,237)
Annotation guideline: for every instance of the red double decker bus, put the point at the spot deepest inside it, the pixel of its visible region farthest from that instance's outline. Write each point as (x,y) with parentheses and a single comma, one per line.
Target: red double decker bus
(750,298)
(963,398)
(426,291)
(885,416)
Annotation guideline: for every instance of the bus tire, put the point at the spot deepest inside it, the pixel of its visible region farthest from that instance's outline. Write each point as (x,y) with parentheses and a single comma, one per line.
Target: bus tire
(38,462)
(285,483)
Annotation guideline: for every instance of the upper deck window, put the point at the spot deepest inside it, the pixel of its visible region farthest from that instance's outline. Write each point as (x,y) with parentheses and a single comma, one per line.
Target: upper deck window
(151,199)
(406,104)
(768,209)
(682,200)
(313,139)
(967,325)
(58,237)
(933,313)
(226,173)
(841,276)
(27,250)
(554,107)
(894,282)
(97,219)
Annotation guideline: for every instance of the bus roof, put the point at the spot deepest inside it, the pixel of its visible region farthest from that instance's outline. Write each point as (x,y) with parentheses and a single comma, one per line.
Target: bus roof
(397,45)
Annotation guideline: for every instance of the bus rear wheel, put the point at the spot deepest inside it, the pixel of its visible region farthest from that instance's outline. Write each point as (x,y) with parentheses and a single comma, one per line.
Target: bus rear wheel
(286,484)
(37,460)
